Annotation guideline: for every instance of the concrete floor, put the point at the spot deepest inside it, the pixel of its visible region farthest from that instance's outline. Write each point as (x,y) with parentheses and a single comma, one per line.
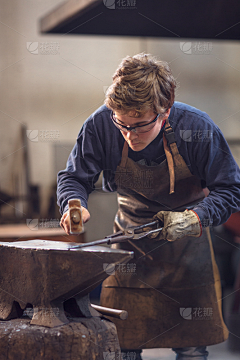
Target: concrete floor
(216,352)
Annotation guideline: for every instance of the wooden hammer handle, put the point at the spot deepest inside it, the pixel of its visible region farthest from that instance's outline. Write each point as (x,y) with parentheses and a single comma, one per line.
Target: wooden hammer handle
(75,215)
(119,314)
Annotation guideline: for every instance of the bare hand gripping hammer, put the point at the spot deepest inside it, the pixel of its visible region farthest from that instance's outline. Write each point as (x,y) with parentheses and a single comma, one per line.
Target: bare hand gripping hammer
(75,216)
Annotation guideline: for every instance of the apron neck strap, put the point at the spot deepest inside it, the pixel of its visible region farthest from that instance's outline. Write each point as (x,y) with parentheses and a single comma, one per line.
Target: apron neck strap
(169,141)
(170,136)
(124,155)
(170,164)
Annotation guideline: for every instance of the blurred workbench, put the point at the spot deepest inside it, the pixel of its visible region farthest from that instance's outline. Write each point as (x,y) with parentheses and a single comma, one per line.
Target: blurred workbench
(20,232)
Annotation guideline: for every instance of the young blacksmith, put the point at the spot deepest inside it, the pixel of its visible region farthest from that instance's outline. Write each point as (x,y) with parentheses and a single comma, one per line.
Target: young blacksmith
(158,155)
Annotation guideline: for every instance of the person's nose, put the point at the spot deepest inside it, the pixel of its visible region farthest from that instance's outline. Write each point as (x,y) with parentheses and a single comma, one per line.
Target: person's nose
(132,135)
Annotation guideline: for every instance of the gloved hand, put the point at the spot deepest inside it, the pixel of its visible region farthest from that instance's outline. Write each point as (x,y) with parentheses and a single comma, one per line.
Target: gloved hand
(178,224)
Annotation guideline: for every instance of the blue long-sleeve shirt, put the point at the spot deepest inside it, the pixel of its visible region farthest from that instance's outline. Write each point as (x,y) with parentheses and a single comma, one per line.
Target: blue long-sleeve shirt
(200,142)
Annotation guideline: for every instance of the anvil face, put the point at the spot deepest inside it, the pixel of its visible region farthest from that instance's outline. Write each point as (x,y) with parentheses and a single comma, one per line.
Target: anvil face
(47,273)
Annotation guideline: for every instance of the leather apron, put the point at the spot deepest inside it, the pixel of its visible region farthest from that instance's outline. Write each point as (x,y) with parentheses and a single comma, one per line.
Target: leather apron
(171,290)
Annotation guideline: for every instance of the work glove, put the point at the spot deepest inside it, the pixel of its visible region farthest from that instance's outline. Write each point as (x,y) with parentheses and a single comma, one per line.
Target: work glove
(178,224)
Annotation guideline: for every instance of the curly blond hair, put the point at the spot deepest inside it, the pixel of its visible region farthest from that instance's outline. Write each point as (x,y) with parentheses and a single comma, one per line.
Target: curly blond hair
(141,83)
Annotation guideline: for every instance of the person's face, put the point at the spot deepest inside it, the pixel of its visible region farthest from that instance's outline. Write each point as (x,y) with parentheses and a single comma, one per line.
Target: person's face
(138,142)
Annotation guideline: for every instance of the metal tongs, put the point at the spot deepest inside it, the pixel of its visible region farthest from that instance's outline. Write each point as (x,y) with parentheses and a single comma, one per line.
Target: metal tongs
(132,233)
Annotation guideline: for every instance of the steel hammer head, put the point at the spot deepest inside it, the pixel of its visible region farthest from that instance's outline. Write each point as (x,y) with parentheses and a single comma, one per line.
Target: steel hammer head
(75,216)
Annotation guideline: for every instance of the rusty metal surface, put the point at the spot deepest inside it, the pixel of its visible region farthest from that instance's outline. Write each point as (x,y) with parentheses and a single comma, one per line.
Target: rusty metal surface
(47,273)
(83,338)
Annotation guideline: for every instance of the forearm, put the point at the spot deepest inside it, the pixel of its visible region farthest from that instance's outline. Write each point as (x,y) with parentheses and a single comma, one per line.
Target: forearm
(212,162)
(217,207)
(68,188)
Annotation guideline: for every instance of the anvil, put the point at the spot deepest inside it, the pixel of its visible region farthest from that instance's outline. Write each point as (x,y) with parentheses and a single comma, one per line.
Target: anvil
(46,274)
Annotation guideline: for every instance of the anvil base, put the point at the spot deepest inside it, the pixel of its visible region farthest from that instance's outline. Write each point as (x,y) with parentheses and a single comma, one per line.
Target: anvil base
(82,339)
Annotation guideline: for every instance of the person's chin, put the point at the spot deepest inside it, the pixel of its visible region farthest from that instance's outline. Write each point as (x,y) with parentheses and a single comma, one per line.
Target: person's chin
(137,146)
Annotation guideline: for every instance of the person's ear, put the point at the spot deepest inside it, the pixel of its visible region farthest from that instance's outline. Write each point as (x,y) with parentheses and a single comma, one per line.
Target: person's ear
(167,114)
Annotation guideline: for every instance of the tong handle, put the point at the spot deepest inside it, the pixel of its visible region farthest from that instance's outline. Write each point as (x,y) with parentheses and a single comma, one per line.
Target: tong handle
(139,229)
(118,239)
(108,240)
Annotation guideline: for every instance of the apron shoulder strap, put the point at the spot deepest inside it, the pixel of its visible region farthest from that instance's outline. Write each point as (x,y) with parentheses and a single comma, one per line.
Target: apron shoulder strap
(174,159)
(124,155)
(169,140)
(170,164)
(170,136)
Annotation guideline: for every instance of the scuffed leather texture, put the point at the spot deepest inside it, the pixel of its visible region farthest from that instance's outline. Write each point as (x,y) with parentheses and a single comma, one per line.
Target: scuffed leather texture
(178,224)
(181,274)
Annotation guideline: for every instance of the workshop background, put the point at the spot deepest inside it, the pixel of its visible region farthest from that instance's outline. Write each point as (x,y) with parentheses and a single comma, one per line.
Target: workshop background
(50,84)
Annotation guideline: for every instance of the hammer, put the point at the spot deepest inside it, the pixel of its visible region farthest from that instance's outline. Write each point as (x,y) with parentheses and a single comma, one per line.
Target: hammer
(75,215)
